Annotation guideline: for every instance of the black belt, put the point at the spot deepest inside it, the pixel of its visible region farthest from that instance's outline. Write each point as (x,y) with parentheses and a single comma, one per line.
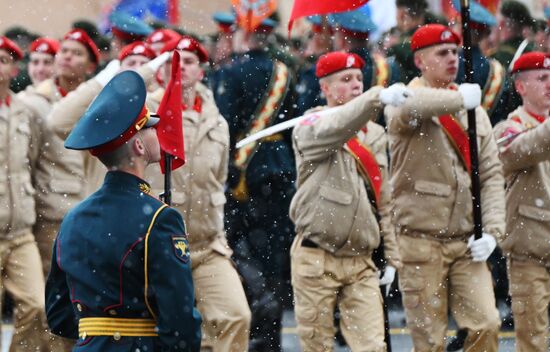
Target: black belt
(309,243)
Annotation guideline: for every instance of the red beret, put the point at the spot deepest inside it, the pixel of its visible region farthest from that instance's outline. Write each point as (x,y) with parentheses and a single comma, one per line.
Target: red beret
(136,48)
(187,43)
(433,34)
(162,35)
(337,61)
(11,47)
(83,38)
(45,45)
(532,61)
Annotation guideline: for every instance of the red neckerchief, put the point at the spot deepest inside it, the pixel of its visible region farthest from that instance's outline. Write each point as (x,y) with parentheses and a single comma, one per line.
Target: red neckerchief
(61,91)
(539,118)
(6,101)
(197,106)
(457,136)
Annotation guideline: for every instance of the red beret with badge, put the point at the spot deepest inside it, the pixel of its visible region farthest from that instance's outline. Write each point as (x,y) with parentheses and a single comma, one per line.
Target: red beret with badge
(433,34)
(187,43)
(83,38)
(136,48)
(45,45)
(162,35)
(337,61)
(11,48)
(535,60)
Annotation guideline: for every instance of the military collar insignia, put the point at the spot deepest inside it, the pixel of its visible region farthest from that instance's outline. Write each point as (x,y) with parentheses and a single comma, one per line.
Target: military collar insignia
(144,188)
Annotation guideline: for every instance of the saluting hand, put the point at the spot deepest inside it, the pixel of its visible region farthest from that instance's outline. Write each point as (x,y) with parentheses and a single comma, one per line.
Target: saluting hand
(108,72)
(481,249)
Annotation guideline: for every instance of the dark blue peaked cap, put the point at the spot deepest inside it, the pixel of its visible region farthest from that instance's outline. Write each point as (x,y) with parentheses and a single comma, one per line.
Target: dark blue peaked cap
(478,13)
(129,24)
(115,115)
(358,20)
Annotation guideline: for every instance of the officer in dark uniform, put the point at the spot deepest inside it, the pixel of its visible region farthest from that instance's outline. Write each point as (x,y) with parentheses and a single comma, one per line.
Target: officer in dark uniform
(121,273)
(257,92)
(307,87)
(515,17)
(352,31)
(489,73)
(126,29)
(410,15)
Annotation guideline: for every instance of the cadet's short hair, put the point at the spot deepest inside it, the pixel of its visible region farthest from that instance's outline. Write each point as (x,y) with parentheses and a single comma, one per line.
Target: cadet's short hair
(416,7)
(118,157)
(517,13)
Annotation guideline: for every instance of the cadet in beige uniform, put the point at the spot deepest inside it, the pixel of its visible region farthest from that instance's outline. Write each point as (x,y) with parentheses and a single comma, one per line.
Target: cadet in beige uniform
(442,264)
(526,162)
(58,177)
(198,193)
(21,273)
(336,221)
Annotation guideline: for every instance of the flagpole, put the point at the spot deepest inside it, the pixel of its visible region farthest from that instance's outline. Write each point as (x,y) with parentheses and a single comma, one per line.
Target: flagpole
(167,195)
(472,128)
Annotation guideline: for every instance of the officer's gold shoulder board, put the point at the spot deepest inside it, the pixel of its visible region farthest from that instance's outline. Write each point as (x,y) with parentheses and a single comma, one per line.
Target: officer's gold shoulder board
(181,248)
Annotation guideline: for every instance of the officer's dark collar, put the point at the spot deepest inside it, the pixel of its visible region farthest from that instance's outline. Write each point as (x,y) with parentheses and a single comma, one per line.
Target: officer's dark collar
(128,180)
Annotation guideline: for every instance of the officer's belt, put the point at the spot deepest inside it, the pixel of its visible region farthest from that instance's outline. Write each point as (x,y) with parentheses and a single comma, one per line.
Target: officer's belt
(116,327)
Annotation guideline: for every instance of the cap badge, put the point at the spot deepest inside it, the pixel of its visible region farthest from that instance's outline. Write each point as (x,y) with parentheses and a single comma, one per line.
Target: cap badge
(157,37)
(445,35)
(140,49)
(42,47)
(546,63)
(350,61)
(76,35)
(184,44)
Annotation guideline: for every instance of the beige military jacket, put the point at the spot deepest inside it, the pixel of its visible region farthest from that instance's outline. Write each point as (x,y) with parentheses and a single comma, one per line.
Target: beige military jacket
(526,164)
(59,173)
(19,143)
(430,184)
(66,113)
(331,206)
(198,186)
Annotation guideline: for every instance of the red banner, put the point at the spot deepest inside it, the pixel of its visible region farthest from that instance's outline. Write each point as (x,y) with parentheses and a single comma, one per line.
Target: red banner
(170,126)
(304,8)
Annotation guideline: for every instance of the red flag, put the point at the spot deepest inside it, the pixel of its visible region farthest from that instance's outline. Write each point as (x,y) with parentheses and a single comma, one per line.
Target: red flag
(303,8)
(174,12)
(170,126)
(251,13)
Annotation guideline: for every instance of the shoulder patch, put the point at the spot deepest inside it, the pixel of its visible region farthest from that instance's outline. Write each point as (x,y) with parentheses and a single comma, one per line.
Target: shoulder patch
(181,248)
(310,120)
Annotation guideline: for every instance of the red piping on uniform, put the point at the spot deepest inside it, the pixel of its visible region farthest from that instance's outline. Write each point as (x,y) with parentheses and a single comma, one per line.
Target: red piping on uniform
(120,274)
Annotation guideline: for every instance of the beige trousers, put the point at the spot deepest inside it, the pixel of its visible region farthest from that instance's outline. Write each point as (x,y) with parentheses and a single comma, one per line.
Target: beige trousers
(530,291)
(22,279)
(45,232)
(321,281)
(437,276)
(221,301)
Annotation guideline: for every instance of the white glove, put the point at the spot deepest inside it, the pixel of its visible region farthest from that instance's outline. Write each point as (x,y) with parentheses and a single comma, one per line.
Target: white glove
(158,61)
(481,249)
(388,278)
(105,75)
(395,95)
(471,95)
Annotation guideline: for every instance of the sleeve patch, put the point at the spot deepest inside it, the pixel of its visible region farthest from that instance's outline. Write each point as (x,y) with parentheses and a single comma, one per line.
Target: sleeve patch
(181,248)
(310,120)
